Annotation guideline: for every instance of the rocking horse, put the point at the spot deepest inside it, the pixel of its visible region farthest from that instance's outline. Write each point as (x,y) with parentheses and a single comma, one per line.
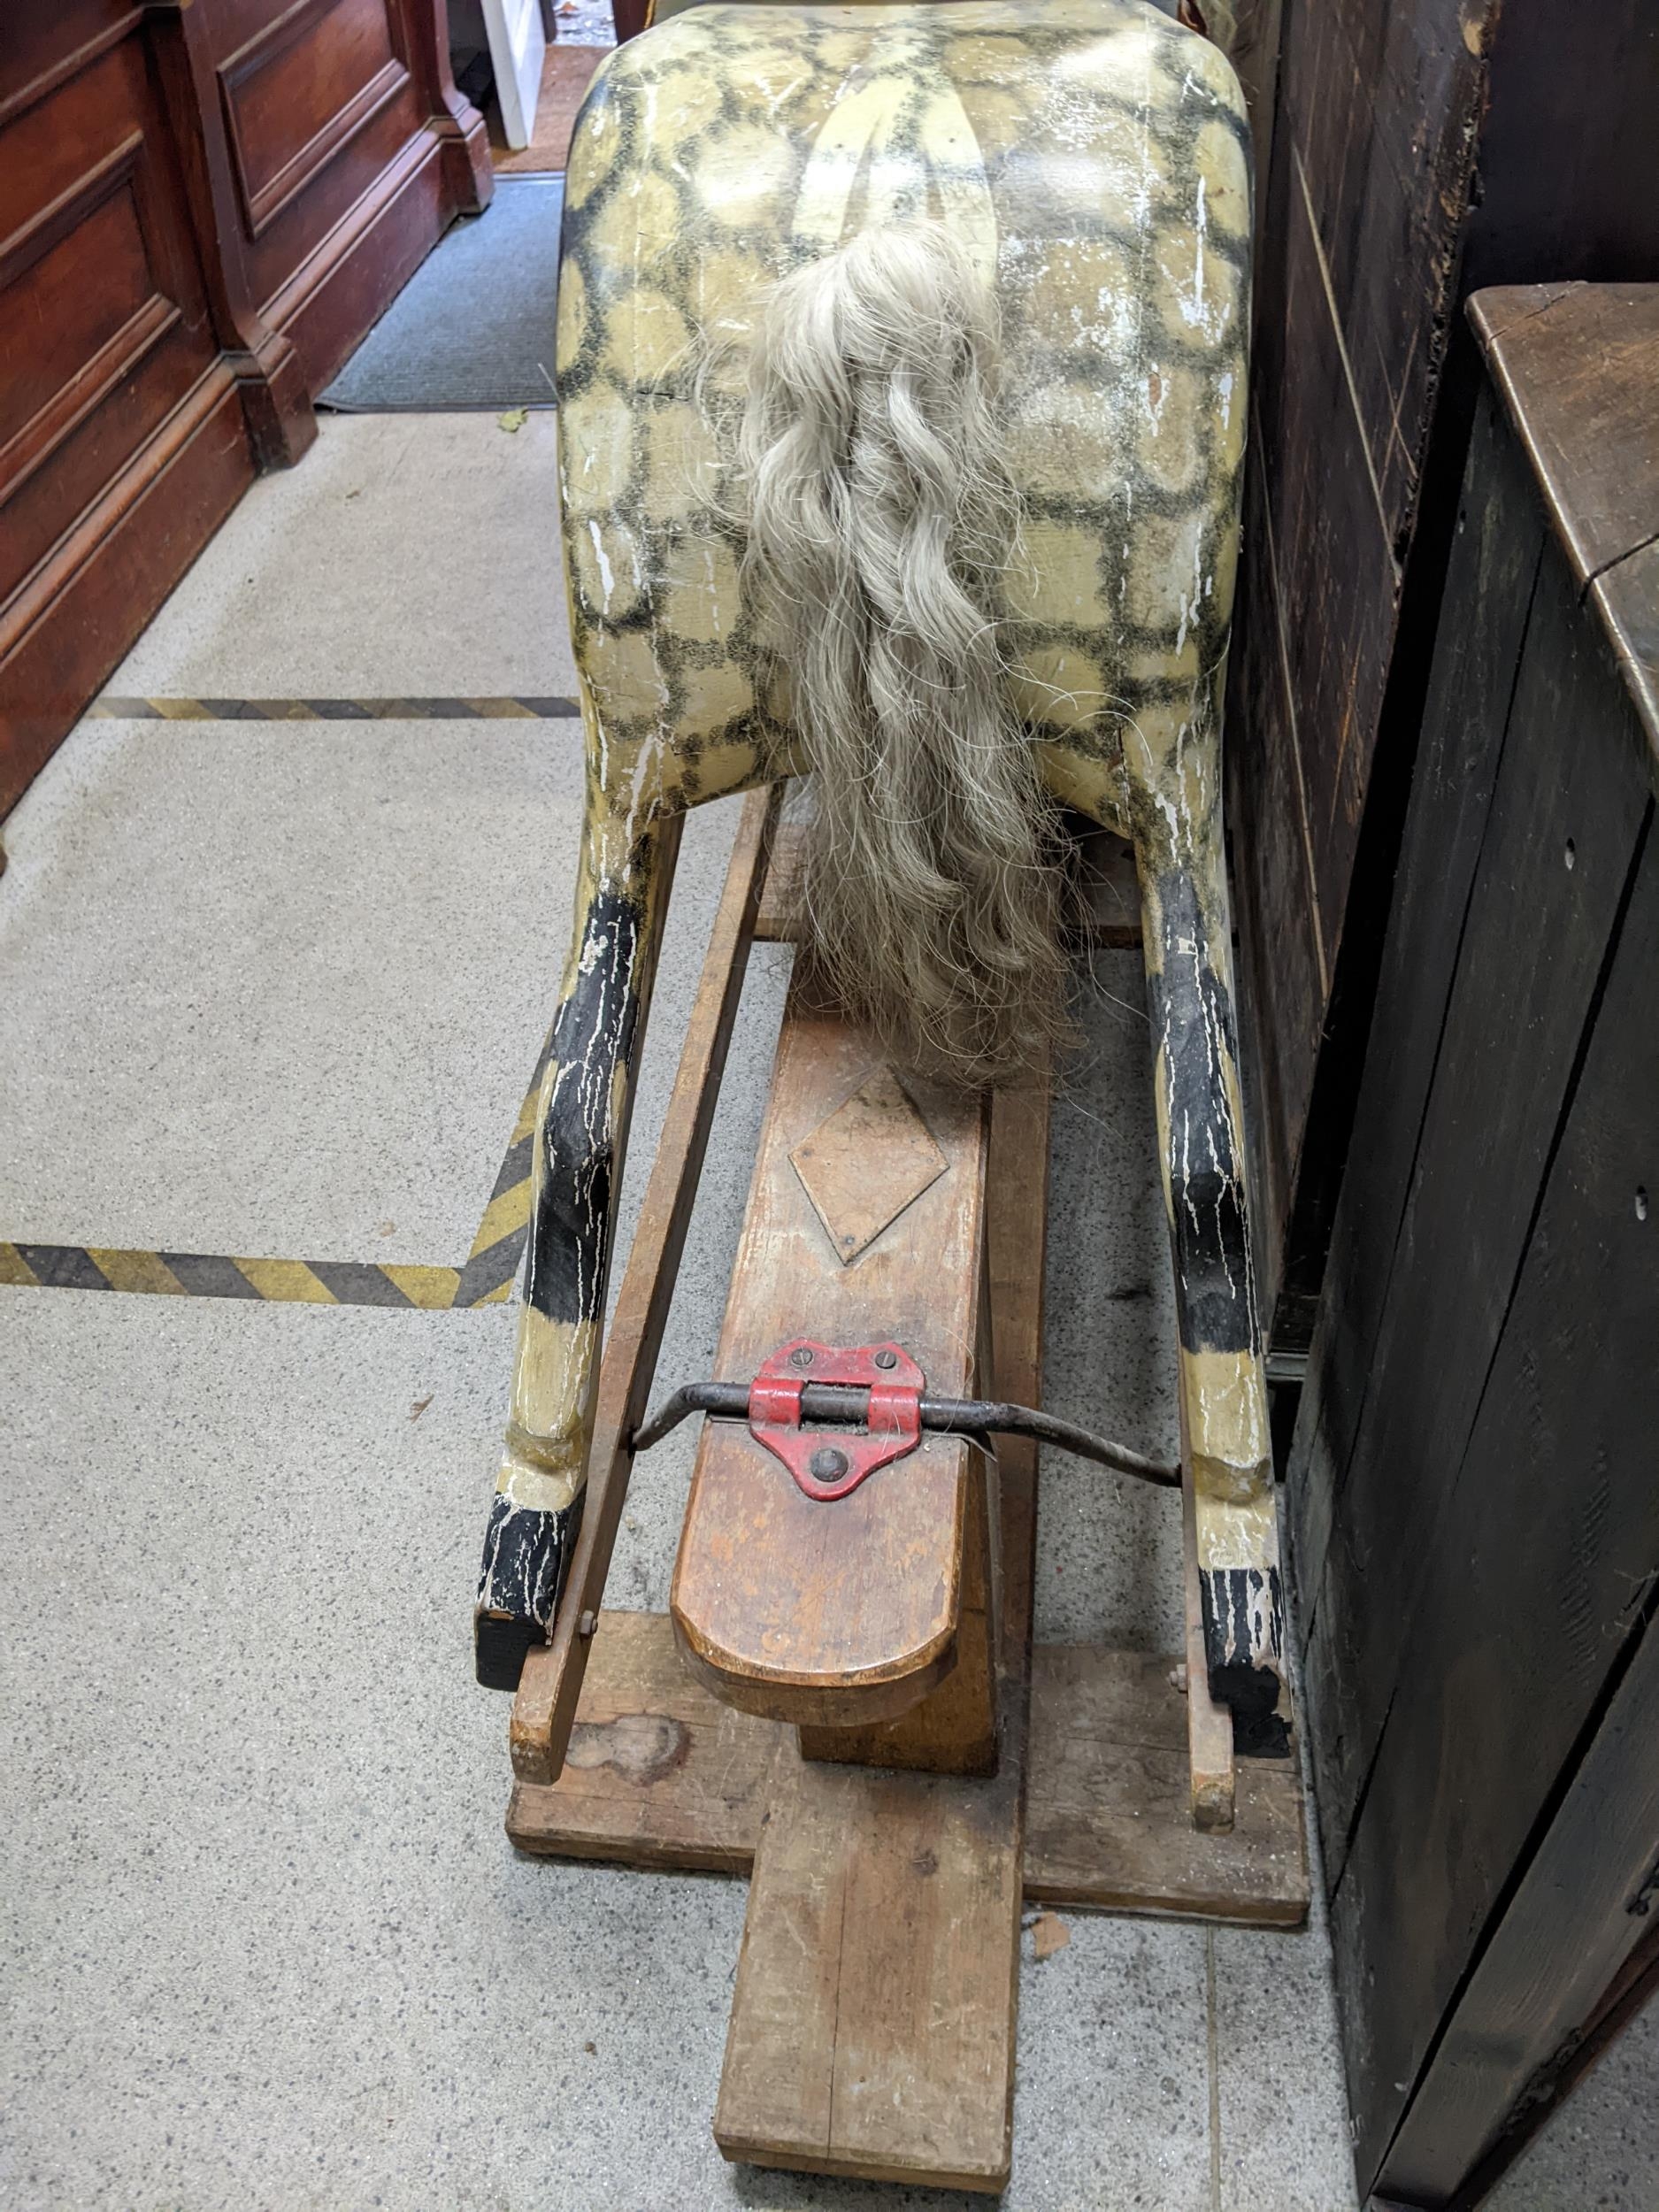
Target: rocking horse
(901,387)
(1091,161)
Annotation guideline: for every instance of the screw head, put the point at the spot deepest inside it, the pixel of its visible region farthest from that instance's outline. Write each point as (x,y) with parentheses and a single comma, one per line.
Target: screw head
(829,1465)
(887,1359)
(586,1624)
(801,1356)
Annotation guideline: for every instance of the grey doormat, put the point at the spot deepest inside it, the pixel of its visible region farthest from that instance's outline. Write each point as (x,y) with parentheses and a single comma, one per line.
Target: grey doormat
(474,326)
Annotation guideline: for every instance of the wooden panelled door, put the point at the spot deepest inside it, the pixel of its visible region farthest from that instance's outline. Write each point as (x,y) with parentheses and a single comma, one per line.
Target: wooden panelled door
(121,420)
(347,157)
(203,205)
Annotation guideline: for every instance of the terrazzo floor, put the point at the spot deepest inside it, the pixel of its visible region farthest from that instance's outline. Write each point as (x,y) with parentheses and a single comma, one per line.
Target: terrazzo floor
(275,988)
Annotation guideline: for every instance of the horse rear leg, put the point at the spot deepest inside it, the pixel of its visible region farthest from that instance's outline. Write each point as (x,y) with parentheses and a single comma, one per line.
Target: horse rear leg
(581,1131)
(1172,770)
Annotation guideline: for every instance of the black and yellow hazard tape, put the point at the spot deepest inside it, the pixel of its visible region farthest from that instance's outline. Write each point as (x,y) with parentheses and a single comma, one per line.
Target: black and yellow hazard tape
(112,709)
(486,1277)
(485,1280)
(207,1275)
(493,1262)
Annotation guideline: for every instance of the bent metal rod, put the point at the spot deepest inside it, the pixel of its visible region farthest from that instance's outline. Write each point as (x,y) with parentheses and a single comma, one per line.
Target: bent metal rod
(846,1406)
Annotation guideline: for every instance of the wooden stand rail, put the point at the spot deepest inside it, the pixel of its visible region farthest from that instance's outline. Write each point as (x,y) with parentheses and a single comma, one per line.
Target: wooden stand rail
(550,1685)
(865,1727)
(661,1774)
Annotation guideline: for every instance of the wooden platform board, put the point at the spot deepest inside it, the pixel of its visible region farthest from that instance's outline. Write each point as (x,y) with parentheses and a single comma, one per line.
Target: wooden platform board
(873,2022)
(867,1233)
(874,2015)
(661,1774)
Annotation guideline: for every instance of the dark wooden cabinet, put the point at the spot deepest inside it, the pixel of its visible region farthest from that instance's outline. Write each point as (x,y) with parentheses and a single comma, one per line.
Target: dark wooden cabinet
(1420,149)
(1474,1480)
(203,205)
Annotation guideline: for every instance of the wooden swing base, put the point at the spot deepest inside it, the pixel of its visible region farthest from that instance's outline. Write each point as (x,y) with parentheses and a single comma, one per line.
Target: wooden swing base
(845,1703)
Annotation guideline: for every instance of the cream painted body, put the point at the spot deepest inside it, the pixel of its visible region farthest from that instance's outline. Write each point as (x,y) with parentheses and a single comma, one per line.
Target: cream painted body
(1095,158)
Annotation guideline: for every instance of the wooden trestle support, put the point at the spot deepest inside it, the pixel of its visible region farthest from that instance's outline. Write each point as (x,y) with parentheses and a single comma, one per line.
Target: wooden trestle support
(846,1704)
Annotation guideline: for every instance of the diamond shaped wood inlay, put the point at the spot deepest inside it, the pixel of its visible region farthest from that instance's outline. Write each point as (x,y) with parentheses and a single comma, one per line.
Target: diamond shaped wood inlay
(867,1161)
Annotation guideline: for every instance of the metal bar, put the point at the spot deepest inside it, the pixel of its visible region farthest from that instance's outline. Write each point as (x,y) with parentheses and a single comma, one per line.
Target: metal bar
(844,1406)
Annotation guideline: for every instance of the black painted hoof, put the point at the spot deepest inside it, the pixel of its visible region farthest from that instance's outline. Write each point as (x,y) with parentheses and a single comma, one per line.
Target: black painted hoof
(1244,1644)
(527,1556)
(499,1649)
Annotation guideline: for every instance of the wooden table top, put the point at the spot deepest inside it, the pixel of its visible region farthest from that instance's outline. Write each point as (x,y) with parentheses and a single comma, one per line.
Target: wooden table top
(1578,368)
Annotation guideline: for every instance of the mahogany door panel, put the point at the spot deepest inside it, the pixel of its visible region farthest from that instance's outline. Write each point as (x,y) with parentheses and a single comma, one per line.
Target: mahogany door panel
(44,44)
(120,560)
(374,163)
(104,321)
(203,206)
(361,264)
(335,157)
(77,281)
(123,442)
(298,90)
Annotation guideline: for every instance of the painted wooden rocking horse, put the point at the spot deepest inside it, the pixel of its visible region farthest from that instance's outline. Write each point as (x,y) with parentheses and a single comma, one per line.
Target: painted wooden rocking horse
(1082,166)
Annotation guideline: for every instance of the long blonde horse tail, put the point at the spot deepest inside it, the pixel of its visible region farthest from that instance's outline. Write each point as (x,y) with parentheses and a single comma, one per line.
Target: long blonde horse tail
(882,523)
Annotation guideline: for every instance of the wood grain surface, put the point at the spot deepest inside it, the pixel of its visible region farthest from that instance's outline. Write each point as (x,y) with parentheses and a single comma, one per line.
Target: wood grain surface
(1535,1594)
(1541,1982)
(836,1615)
(1556,842)
(1476,1522)
(1109,1814)
(658,1772)
(663,1774)
(873,2022)
(1576,366)
(1489,597)
(1421,150)
(1627,599)
(865,1163)
(952,1730)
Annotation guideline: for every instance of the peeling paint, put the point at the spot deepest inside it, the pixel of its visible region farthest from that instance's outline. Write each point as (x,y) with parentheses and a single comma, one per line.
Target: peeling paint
(1095,159)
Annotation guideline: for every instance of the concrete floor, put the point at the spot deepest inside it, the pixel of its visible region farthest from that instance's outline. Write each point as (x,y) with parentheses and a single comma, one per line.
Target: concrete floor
(1599,2152)
(275,989)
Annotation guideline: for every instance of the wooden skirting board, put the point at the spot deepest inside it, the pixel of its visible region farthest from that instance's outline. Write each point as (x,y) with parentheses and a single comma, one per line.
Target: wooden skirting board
(661,1774)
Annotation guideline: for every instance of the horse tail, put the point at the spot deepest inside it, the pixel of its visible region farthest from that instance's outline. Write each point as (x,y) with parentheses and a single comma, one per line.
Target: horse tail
(881,521)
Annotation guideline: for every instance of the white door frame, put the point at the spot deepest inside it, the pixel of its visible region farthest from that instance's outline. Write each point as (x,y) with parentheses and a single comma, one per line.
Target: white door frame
(517,43)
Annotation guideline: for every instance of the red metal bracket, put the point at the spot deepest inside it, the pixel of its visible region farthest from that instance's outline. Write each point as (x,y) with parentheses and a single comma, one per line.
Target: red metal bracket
(828,1463)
